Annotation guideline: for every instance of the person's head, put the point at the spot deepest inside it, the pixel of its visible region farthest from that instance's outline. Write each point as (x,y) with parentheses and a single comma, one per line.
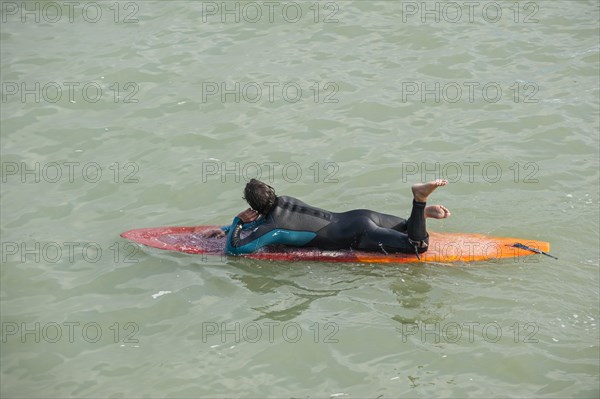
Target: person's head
(260,196)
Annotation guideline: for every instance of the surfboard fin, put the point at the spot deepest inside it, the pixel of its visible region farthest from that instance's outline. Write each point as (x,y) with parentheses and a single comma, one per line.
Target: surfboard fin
(537,251)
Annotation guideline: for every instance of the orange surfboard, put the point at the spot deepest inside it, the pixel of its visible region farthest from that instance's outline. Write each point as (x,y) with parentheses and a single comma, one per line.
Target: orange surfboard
(443,247)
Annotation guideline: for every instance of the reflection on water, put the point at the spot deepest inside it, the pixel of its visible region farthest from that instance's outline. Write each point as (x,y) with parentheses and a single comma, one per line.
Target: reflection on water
(287,280)
(299,284)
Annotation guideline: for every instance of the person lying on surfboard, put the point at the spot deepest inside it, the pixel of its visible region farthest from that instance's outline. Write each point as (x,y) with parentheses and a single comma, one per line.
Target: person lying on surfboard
(283,220)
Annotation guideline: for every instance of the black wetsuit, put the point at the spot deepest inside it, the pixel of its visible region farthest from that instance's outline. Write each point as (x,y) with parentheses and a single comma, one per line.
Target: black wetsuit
(292,222)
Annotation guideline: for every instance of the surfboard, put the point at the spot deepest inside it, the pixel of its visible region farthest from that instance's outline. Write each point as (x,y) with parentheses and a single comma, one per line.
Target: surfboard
(443,247)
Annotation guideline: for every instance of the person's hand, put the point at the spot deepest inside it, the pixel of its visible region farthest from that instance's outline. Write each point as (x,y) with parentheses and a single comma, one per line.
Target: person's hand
(248,215)
(213,233)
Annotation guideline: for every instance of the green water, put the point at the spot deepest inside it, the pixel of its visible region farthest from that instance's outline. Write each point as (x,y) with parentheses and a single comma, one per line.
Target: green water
(343,105)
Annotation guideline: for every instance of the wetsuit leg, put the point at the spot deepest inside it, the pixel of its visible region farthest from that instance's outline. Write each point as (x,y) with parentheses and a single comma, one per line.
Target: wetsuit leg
(384,240)
(364,229)
(380,219)
(389,221)
(415,226)
(379,238)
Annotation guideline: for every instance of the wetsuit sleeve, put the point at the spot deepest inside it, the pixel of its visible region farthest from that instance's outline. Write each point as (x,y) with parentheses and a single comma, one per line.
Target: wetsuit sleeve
(262,237)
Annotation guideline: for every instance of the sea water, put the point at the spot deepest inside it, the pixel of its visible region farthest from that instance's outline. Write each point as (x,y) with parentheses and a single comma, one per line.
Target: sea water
(129,114)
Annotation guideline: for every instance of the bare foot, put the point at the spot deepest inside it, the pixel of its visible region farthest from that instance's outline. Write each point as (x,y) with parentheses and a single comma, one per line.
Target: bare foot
(422,190)
(437,212)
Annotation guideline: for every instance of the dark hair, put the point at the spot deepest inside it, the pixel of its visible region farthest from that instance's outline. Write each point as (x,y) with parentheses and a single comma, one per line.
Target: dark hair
(260,196)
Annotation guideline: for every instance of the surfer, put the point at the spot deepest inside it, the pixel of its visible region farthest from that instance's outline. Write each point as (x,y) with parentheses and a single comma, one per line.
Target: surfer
(283,220)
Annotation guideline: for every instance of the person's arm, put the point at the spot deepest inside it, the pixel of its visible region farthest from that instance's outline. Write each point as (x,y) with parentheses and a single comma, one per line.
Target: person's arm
(246,226)
(233,246)
(218,232)
(261,237)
